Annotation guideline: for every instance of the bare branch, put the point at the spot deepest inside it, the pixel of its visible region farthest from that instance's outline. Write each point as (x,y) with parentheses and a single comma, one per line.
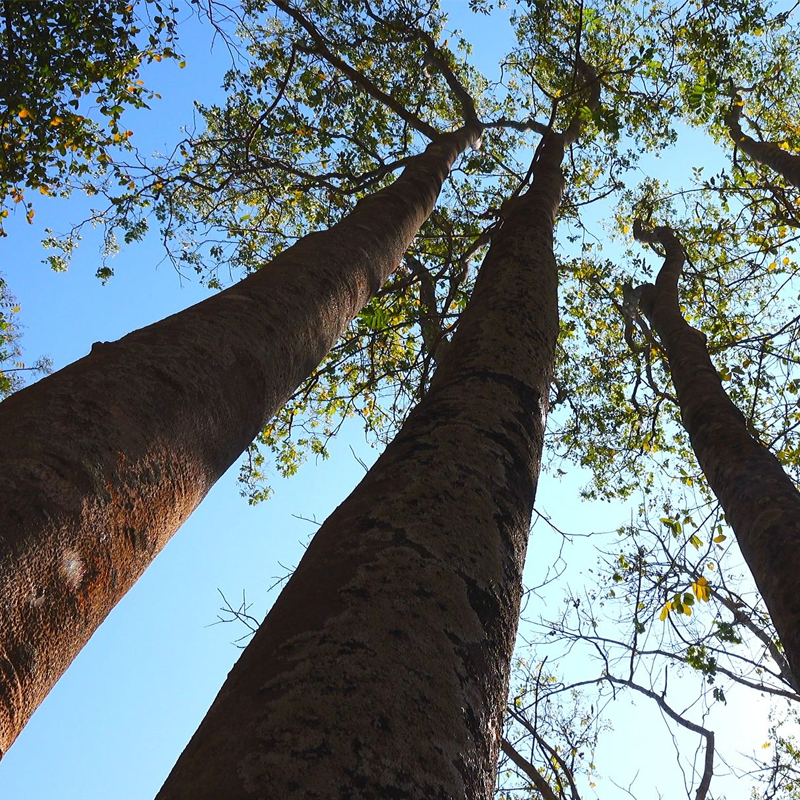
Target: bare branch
(708,767)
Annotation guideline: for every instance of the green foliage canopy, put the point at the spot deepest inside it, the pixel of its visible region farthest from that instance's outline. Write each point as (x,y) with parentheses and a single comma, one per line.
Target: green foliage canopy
(68,70)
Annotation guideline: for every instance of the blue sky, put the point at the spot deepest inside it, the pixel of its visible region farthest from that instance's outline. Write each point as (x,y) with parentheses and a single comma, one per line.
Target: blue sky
(117,720)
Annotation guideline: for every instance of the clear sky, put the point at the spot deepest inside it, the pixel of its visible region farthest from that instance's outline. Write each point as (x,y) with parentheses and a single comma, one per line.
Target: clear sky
(116,722)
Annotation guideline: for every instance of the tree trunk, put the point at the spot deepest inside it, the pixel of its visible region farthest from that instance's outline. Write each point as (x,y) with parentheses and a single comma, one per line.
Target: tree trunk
(103,461)
(766,153)
(761,502)
(382,669)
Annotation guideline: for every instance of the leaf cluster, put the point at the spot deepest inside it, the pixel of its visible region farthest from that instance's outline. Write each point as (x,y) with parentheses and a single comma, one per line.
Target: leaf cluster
(68,71)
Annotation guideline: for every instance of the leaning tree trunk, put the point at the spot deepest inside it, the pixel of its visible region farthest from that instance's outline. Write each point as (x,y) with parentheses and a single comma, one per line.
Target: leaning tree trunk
(767,153)
(761,502)
(103,461)
(382,669)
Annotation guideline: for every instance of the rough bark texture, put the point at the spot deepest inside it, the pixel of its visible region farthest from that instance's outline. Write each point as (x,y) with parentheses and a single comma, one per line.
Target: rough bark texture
(104,460)
(761,502)
(381,671)
(766,153)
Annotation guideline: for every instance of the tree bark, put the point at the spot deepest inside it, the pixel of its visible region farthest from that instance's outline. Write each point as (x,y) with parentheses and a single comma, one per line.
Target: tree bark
(382,669)
(766,153)
(761,502)
(103,461)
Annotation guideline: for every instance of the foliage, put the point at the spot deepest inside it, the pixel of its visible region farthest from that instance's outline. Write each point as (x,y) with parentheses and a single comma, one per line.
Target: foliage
(60,61)
(668,619)
(12,367)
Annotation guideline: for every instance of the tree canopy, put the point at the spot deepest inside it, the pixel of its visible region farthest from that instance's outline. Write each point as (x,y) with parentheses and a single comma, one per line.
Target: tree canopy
(69,70)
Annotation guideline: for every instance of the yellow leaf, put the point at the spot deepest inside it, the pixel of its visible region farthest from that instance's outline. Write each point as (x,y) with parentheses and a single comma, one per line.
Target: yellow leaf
(24,113)
(786,260)
(56,121)
(721,538)
(701,589)
(15,310)
(773,266)
(664,612)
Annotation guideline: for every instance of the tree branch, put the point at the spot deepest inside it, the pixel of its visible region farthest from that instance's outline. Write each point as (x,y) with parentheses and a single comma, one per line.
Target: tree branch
(592,83)
(762,636)
(358,78)
(708,767)
(430,321)
(767,153)
(542,786)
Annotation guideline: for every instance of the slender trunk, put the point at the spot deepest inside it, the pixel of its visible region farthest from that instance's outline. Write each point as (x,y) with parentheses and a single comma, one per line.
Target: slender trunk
(766,153)
(103,461)
(382,669)
(761,502)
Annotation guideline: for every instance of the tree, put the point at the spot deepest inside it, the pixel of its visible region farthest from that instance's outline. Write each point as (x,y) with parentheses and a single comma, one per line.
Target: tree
(134,468)
(108,457)
(615,641)
(761,502)
(429,602)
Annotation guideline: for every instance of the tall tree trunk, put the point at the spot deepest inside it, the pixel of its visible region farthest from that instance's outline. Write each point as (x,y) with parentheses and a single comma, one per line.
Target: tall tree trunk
(767,153)
(760,501)
(103,461)
(382,669)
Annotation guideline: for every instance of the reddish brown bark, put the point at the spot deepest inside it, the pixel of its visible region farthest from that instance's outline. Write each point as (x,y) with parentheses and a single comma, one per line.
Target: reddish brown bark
(761,502)
(382,669)
(766,153)
(104,460)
